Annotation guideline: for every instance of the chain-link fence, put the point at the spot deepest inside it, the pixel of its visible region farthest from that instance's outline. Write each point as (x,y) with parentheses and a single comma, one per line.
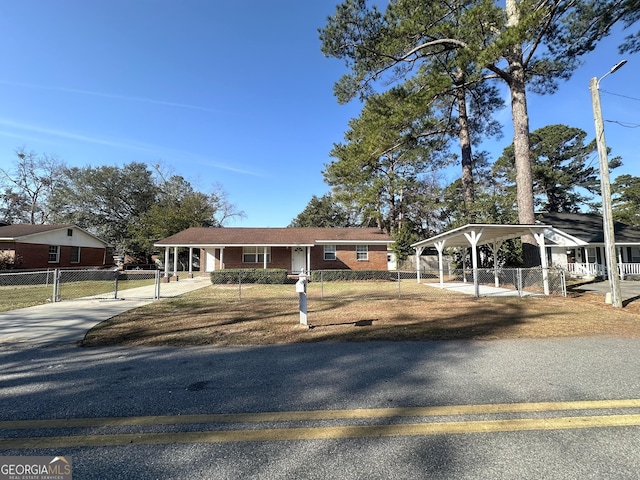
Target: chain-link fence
(364,285)
(28,288)
(509,281)
(21,289)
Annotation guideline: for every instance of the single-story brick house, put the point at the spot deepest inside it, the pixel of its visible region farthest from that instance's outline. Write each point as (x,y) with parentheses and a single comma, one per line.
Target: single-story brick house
(292,249)
(51,246)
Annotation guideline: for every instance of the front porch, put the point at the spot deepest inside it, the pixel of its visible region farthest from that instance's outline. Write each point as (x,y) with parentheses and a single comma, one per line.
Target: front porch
(600,270)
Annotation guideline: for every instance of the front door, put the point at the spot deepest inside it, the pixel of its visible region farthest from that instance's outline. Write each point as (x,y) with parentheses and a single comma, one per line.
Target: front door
(298,259)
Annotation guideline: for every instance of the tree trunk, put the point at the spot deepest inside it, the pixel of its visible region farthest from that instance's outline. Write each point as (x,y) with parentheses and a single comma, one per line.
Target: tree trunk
(465,147)
(524,177)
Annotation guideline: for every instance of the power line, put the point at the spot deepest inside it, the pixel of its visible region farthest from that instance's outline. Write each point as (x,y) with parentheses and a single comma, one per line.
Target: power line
(622,124)
(619,95)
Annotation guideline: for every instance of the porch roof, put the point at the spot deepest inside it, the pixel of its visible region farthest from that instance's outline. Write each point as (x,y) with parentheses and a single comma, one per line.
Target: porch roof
(587,228)
(273,237)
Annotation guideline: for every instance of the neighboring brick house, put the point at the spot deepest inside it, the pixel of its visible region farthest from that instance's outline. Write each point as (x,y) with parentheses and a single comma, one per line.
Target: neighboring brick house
(292,249)
(51,246)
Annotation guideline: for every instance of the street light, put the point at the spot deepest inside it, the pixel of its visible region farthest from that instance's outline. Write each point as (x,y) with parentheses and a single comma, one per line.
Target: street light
(605,183)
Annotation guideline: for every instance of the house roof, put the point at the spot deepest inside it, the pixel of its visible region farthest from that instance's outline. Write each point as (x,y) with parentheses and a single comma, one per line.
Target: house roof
(242,236)
(18,232)
(13,232)
(588,227)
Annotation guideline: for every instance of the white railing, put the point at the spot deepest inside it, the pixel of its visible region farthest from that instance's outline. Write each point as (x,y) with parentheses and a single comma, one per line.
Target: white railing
(587,269)
(596,270)
(630,268)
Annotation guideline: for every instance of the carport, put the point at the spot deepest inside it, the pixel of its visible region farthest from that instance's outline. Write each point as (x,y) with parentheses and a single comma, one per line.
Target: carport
(473,235)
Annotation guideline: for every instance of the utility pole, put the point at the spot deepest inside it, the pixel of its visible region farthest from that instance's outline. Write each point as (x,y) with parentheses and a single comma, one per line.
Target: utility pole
(605,184)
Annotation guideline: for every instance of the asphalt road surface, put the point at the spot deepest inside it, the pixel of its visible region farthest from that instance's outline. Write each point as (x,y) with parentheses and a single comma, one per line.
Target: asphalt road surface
(509,409)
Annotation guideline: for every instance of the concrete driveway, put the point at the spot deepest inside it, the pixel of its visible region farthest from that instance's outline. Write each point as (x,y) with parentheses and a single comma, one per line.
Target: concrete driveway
(68,321)
(629,289)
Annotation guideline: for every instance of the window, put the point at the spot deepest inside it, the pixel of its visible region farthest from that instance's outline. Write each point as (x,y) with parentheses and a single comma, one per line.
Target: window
(591,255)
(362,252)
(54,254)
(635,254)
(69,232)
(329,252)
(75,254)
(255,254)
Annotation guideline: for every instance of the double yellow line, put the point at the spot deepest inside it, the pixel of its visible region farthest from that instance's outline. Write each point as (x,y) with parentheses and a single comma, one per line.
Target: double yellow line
(255,432)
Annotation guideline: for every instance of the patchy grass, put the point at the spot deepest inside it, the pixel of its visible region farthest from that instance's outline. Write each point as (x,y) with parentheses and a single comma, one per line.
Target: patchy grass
(269,315)
(21,296)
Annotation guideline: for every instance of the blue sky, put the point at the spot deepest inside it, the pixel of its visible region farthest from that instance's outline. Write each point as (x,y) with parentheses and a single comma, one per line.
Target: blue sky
(230,93)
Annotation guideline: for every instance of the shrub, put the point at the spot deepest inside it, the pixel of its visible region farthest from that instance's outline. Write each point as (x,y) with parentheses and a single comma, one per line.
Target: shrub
(352,275)
(270,276)
(10,262)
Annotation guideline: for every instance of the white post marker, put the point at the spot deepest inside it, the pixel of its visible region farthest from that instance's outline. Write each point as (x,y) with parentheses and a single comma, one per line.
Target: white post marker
(301,289)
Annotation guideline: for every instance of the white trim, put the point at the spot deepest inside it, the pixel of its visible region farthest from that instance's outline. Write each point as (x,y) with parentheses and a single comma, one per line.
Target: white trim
(354,242)
(231,245)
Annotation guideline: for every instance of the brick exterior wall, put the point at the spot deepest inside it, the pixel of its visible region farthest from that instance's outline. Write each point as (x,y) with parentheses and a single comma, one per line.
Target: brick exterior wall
(346,258)
(281,258)
(35,256)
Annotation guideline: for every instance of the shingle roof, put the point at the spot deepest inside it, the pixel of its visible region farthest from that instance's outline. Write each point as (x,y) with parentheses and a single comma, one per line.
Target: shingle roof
(23,230)
(273,236)
(588,227)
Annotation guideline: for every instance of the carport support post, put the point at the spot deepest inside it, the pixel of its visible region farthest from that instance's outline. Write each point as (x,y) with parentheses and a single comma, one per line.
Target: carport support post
(474,237)
(543,261)
(418,253)
(495,246)
(440,248)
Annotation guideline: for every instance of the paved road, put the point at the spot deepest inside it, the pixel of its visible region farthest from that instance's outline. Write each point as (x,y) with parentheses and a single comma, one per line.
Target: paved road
(163,413)
(68,321)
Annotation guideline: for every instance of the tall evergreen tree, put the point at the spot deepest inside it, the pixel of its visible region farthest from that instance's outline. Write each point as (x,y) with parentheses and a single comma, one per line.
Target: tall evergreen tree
(626,199)
(525,43)
(323,211)
(564,176)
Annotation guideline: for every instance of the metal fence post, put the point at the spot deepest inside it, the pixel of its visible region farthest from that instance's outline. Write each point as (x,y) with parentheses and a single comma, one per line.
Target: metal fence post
(115,286)
(156,290)
(239,285)
(399,291)
(321,284)
(56,285)
(519,282)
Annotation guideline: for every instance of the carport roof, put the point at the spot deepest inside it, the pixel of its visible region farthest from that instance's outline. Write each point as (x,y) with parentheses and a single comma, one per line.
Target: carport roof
(488,233)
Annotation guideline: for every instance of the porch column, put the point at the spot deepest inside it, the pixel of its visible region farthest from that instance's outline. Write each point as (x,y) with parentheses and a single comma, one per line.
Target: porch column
(621,263)
(308,250)
(166,261)
(175,261)
(440,247)
(190,260)
(264,258)
(221,258)
(543,261)
(474,237)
